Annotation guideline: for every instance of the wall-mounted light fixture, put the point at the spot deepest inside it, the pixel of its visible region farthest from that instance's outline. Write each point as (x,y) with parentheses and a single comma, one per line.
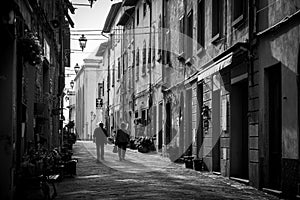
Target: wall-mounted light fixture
(72,84)
(76,68)
(82,41)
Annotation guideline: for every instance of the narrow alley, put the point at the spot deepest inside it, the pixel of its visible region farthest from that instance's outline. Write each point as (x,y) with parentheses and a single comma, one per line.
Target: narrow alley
(145,176)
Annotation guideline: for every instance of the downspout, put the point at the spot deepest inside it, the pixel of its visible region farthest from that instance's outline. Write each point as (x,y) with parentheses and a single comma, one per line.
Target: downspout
(150,77)
(108,83)
(251,39)
(163,39)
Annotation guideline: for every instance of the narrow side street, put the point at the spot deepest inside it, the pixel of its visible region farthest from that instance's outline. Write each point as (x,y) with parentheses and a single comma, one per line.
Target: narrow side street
(144,176)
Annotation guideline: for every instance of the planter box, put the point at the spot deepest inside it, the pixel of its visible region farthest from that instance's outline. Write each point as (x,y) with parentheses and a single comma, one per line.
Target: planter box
(188,161)
(198,164)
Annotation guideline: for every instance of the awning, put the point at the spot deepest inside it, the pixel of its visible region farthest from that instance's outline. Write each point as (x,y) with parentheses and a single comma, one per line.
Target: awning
(111,17)
(215,67)
(129,2)
(126,16)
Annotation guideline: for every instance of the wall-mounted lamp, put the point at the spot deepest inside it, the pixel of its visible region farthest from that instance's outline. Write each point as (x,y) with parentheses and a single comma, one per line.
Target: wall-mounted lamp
(72,84)
(76,68)
(82,41)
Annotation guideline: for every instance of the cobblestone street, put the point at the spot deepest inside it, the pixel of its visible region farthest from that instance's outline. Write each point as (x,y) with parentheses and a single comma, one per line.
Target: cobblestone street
(145,176)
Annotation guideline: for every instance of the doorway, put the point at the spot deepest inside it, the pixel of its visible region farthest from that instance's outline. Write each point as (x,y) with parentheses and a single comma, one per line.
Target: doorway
(168,123)
(188,123)
(199,120)
(181,125)
(239,159)
(216,131)
(274,106)
(160,137)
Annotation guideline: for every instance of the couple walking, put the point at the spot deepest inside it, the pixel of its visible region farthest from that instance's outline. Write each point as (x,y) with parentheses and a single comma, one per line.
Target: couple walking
(121,140)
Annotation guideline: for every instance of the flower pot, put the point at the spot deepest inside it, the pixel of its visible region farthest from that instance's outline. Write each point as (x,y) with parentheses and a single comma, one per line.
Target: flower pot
(188,164)
(198,164)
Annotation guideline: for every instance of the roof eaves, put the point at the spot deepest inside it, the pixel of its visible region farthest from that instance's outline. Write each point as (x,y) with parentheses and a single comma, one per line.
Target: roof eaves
(111,17)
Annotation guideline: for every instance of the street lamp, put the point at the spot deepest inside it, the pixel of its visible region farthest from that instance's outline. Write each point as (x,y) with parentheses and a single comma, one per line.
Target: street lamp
(93,116)
(82,41)
(72,84)
(76,68)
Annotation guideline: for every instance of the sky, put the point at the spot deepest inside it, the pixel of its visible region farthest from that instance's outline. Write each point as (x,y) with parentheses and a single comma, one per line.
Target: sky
(85,18)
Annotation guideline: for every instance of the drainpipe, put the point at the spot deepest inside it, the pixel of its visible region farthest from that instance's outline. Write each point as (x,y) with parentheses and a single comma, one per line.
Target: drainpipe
(150,77)
(251,17)
(107,121)
(163,39)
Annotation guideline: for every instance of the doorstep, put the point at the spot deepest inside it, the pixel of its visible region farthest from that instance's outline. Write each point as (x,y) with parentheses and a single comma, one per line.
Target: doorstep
(240,180)
(277,193)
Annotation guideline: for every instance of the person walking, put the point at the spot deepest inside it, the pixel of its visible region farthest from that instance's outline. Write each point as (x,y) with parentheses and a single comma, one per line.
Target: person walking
(100,138)
(122,139)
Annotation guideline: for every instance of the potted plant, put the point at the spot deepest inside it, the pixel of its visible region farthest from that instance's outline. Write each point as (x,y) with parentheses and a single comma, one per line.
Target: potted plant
(31,48)
(198,164)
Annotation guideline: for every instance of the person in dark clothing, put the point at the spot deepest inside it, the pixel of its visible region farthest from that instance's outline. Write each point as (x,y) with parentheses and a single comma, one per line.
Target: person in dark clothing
(100,138)
(122,139)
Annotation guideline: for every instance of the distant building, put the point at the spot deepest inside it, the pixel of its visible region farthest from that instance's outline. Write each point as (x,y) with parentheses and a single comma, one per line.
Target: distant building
(86,92)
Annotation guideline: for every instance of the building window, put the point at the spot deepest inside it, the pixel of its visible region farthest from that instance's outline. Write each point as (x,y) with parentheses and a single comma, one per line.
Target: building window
(119,69)
(201,24)
(153,45)
(137,16)
(190,34)
(167,59)
(125,62)
(144,59)
(217,14)
(103,88)
(159,53)
(144,115)
(239,8)
(100,89)
(144,9)
(137,64)
(181,34)
(113,76)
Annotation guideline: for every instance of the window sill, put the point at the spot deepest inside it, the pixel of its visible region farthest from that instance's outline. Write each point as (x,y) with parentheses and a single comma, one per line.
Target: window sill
(181,56)
(200,51)
(238,21)
(189,62)
(215,39)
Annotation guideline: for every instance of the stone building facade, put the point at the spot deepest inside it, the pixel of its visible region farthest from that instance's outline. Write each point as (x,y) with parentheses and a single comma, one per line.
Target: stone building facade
(223,84)
(36,50)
